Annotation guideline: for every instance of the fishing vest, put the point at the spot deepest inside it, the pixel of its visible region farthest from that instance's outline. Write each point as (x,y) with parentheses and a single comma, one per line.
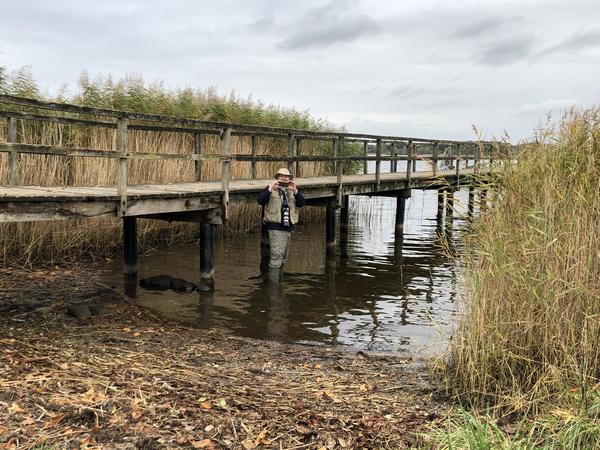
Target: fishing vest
(273,208)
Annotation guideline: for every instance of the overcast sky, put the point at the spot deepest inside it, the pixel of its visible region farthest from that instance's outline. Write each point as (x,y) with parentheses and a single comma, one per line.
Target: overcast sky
(410,68)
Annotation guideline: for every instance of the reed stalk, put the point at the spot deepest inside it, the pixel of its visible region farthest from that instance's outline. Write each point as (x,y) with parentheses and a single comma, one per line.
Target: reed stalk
(530,326)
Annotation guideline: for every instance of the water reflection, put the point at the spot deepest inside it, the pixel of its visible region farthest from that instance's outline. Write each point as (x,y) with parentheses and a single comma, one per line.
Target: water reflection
(380,292)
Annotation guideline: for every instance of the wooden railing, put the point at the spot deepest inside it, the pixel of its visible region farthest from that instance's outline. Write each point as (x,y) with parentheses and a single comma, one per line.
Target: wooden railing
(387,148)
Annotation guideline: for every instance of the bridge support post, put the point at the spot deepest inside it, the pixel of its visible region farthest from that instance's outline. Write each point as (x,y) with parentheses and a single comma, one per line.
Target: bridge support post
(130,267)
(207,259)
(344,213)
(330,228)
(400,210)
(440,205)
(449,206)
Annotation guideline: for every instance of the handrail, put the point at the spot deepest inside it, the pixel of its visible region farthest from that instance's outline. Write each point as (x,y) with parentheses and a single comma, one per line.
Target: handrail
(70,108)
(401,148)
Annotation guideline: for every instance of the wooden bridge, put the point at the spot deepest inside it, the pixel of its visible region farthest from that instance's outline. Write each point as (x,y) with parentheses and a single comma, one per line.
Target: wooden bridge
(415,163)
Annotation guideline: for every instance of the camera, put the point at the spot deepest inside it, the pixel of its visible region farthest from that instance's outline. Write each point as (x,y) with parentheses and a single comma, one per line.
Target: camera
(283,184)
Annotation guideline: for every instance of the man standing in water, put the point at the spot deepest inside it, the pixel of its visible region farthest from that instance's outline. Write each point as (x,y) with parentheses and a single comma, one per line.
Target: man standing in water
(281,201)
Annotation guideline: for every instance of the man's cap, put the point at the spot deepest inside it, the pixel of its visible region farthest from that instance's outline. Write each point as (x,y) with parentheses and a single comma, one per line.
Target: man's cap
(283,171)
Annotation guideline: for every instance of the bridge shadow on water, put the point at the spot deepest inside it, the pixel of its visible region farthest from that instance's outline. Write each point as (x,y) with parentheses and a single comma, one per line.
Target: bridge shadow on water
(379,292)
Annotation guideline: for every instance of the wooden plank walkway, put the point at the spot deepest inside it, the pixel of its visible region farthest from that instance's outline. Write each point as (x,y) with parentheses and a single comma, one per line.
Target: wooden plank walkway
(26,203)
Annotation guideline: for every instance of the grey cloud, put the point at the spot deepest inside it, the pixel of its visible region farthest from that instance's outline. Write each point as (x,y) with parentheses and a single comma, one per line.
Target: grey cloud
(328,24)
(407,91)
(506,52)
(482,27)
(262,25)
(575,43)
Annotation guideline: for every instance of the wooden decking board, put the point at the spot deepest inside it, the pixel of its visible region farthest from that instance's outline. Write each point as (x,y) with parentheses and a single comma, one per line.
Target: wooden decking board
(19,203)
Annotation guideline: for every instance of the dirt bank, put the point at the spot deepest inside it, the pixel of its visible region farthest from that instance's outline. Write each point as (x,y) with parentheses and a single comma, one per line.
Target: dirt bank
(131,380)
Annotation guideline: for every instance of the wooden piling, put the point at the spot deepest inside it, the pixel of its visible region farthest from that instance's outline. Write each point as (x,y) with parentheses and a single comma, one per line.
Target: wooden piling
(440,205)
(207,265)
(330,239)
(449,206)
(400,212)
(344,213)
(130,266)
(471,204)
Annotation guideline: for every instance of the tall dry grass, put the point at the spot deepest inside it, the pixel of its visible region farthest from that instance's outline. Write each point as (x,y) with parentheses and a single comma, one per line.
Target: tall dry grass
(51,241)
(530,330)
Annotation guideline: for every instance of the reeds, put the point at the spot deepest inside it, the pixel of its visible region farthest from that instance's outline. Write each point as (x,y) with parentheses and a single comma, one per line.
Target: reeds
(530,330)
(51,241)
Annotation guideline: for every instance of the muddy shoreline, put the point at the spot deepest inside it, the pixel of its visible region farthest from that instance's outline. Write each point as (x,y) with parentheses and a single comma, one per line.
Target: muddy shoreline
(129,379)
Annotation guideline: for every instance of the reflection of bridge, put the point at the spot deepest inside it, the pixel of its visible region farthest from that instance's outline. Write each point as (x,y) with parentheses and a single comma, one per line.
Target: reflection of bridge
(205,201)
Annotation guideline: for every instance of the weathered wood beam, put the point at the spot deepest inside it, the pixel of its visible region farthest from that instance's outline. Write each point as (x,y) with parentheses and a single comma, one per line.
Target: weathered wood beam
(13,158)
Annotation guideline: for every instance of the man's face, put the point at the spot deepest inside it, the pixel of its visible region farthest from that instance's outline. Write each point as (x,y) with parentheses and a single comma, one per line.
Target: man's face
(284,178)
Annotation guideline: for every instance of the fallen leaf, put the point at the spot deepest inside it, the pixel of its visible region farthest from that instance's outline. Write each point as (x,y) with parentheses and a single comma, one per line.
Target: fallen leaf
(137,413)
(55,420)
(262,438)
(249,444)
(342,442)
(137,334)
(127,330)
(206,405)
(15,409)
(28,421)
(206,443)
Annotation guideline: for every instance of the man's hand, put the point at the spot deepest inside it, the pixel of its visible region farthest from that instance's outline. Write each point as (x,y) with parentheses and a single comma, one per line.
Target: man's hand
(292,187)
(273,185)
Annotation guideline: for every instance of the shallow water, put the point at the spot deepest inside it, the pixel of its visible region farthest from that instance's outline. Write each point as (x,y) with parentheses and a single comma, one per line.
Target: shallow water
(377,293)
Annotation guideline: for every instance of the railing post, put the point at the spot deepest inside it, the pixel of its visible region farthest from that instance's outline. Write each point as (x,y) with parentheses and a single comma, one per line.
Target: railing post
(297,172)
(122,165)
(365,154)
(13,156)
(378,164)
(197,151)
(290,148)
(457,159)
(414,165)
(225,166)
(340,169)
(409,157)
(253,162)
(434,157)
(393,162)
(334,154)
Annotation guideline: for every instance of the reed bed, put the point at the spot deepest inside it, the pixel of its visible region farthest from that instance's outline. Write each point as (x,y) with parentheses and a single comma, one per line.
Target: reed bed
(52,241)
(528,338)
